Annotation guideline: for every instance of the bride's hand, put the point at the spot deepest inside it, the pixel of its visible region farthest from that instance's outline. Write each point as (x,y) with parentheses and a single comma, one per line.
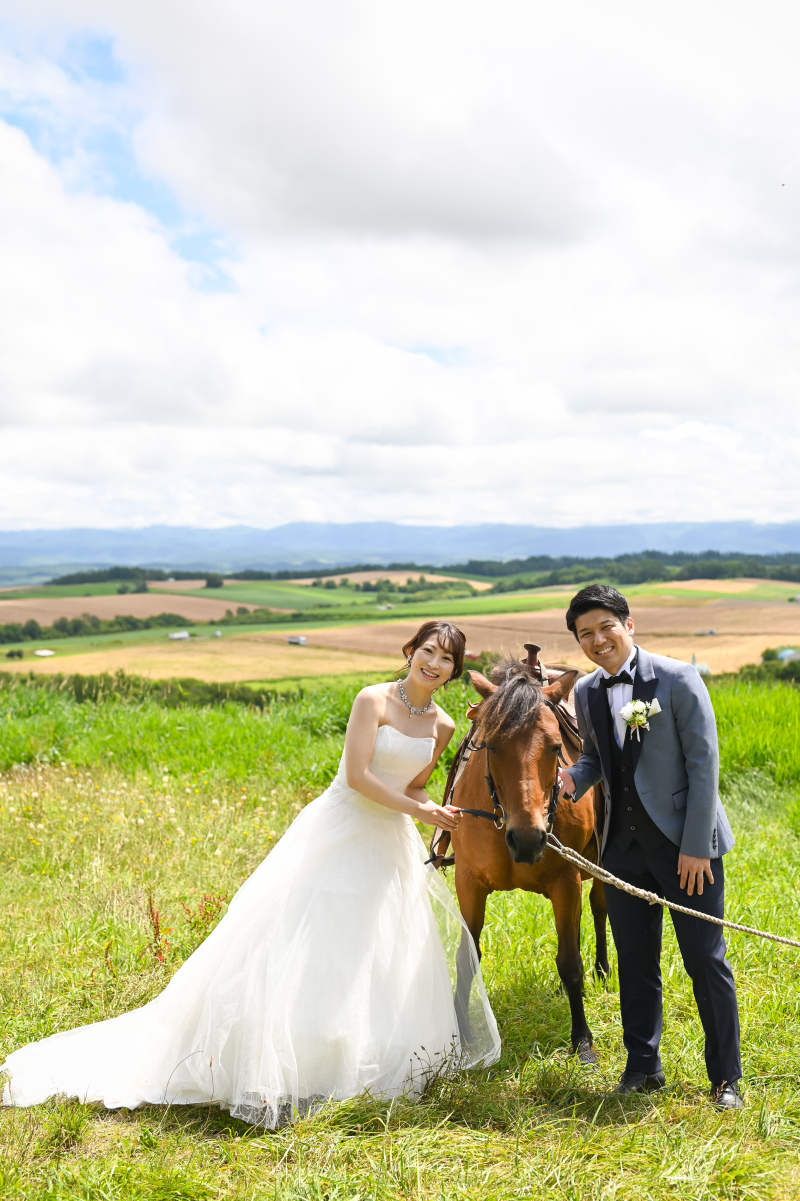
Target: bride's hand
(446,817)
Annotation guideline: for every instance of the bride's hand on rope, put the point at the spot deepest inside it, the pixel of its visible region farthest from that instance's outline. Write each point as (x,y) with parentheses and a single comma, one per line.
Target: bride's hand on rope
(446,817)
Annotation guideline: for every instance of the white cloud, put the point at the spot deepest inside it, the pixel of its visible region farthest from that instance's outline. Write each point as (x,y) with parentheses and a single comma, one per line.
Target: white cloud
(463,247)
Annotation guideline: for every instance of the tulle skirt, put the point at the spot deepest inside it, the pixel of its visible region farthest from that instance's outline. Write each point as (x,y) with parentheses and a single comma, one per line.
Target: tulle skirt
(333,973)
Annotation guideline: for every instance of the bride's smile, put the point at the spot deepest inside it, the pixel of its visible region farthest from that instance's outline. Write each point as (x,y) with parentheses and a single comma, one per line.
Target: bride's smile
(431,665)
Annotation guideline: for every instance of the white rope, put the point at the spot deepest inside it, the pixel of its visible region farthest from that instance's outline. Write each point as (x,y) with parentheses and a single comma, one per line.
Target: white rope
(653,898)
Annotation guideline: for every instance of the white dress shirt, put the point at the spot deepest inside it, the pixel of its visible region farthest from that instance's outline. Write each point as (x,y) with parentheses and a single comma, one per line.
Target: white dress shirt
(618,697)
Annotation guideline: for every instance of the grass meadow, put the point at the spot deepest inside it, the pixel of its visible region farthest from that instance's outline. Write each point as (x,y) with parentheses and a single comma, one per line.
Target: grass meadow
(124,829)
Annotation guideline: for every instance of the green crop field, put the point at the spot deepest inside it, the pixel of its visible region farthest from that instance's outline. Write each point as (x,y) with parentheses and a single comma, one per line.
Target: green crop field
(275,594)
(88,642)
(57,590)
(102,802)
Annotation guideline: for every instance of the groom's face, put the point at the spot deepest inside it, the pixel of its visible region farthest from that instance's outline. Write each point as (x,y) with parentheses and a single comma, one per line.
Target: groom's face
(605,639)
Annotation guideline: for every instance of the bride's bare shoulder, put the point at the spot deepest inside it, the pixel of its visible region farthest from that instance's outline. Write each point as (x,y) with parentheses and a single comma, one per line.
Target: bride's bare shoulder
(444,722)
(376,691)
(373,697)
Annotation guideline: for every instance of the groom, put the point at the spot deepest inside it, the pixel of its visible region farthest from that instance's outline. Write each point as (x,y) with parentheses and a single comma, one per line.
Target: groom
(665,831)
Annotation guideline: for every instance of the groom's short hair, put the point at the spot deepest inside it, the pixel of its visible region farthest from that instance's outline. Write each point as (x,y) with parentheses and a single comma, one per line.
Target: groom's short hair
(596,596)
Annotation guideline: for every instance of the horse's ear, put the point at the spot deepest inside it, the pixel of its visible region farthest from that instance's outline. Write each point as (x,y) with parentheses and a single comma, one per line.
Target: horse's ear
(559,691)
(481,684)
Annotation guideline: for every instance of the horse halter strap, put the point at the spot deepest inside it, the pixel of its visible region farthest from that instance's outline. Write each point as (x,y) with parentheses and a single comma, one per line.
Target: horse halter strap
(498,814)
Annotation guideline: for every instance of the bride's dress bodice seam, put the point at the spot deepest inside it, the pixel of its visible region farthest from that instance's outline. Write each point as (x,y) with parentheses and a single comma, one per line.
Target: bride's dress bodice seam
(385,725)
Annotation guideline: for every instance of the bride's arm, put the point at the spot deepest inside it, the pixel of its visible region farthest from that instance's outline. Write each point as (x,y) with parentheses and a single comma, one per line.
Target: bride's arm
(362,730)
(445,729)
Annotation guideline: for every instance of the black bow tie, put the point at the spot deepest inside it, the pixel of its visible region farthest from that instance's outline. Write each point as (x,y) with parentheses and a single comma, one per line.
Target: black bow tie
(622,678)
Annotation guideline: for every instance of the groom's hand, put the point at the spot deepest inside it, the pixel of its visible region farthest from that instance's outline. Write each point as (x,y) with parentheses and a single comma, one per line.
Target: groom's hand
(566,784)
(693,871)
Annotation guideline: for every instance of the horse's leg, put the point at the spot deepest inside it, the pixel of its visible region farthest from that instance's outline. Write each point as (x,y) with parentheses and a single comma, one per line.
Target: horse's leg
(565,894)
(597,902)
(472,903)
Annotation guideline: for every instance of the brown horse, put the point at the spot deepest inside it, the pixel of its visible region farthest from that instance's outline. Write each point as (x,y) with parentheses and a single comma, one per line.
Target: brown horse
(508,765)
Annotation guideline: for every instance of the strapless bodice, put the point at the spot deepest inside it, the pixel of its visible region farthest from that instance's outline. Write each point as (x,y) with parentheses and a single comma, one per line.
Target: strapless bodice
(397,758)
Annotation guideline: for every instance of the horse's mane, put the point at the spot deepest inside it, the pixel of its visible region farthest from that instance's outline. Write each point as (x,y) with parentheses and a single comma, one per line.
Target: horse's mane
(514,705)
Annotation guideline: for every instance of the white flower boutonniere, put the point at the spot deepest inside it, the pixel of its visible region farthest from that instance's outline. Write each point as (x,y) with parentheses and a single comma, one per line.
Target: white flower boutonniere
(637,714)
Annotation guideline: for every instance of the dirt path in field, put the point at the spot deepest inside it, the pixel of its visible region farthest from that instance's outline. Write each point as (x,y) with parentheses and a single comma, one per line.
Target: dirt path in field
(48,609)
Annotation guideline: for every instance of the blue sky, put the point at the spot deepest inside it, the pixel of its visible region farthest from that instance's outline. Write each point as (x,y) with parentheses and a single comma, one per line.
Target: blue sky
(299,261)
(104,147)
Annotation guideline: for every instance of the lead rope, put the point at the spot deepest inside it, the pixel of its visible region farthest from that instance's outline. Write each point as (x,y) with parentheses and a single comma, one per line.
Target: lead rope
(653,898)
(577,860)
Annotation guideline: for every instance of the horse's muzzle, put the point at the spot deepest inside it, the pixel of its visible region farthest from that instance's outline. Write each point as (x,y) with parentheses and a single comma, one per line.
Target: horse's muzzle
(526,846)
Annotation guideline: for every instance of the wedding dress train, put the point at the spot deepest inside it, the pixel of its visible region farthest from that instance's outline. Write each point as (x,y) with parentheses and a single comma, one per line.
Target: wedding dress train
(332,973)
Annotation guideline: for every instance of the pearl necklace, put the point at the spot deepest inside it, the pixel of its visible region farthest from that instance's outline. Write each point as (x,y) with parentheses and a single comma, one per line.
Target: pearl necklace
(412,711)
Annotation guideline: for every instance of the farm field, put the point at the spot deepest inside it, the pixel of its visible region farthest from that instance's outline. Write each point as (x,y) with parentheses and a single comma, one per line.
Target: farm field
(400,577)
(669,620)
(47,609)
(308,593)
(189,598)
(271,594)
(99,804)
(21,592)
(230,658)
(744,630)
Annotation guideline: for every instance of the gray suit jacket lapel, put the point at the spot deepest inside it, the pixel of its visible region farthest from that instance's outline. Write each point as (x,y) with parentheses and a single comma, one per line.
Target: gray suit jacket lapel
(645,683)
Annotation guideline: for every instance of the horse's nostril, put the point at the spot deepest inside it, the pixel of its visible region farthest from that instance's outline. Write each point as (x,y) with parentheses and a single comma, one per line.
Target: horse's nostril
(525,846)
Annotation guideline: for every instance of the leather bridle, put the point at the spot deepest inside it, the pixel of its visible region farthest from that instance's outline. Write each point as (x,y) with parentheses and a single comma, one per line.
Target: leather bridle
(498,814)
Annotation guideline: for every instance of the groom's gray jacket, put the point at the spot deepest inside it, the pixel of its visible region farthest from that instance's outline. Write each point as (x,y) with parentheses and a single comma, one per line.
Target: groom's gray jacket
(676,763)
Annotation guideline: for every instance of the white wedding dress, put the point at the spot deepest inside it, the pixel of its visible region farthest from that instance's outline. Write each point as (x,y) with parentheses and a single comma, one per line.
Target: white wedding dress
(332,974)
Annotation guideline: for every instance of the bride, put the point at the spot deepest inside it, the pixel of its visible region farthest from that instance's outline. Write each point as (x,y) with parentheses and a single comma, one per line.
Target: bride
(333,972)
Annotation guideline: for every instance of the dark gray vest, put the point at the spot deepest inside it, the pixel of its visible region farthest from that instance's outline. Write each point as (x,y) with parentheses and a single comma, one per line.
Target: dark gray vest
(629,821)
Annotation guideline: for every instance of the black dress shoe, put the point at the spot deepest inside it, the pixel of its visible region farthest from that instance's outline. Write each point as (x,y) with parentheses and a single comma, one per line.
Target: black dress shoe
(639,1082)
(726,1096)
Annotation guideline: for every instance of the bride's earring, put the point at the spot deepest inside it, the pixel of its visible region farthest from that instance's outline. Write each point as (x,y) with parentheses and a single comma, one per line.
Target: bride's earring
(408,661)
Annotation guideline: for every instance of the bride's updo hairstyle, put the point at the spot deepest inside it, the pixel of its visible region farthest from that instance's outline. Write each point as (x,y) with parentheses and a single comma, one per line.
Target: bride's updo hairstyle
(447,635)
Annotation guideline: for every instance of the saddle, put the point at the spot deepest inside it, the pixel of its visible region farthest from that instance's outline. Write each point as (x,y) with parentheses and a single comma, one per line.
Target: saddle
(565,714)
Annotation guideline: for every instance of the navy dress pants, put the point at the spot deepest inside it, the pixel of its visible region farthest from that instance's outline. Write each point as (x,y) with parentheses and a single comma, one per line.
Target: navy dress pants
(636,928)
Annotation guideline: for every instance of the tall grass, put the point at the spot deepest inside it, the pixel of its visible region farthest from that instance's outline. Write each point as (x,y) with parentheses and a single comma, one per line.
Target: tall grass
(297,739)
(759,727)
(294,744)
(114,866)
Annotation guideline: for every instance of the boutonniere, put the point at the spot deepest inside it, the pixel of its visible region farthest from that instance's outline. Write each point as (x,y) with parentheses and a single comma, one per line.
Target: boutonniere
(637,714)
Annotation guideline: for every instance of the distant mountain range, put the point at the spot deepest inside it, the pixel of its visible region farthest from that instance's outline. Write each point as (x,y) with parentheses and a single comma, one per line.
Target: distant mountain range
(37,554)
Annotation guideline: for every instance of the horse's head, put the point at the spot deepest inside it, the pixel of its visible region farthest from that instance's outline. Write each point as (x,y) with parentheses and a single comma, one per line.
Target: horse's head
(522,738)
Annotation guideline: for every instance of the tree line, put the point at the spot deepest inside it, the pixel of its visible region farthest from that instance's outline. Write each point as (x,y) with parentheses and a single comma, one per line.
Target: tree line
(80,627)
(649,566)
(539,570)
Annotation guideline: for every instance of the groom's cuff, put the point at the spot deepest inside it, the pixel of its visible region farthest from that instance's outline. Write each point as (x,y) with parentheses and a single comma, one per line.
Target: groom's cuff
(700,846)
(582,785)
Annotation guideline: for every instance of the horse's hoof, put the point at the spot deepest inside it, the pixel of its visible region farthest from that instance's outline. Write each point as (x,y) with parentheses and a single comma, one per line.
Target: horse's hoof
(585,1051)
